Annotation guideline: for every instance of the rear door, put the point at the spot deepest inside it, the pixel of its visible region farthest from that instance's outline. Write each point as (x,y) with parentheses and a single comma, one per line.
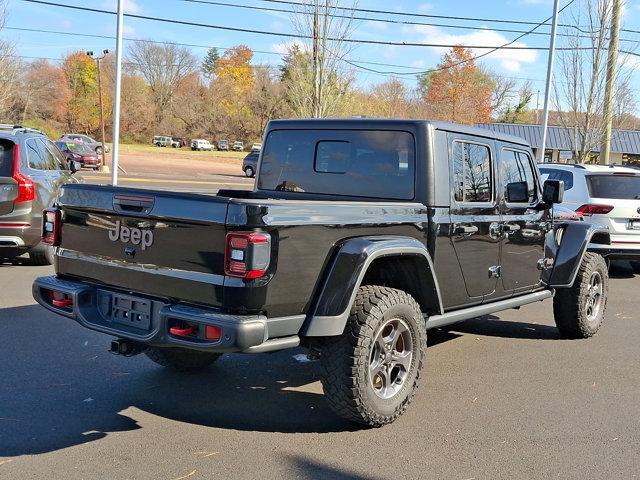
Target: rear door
(475,214)
(523,227)
(8,186)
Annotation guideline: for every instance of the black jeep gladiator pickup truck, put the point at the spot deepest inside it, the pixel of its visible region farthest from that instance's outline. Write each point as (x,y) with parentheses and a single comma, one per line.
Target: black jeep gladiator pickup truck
(359,236)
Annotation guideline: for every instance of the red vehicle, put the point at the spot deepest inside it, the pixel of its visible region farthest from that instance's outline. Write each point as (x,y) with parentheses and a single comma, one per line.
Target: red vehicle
(80,153)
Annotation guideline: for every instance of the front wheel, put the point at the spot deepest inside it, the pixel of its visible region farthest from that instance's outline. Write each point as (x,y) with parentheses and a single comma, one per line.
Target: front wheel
(370,373)
(99,150)
(579,309)
(181,359)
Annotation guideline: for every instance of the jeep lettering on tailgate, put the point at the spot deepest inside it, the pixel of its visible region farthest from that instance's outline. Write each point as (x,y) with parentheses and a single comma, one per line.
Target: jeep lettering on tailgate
(137,236)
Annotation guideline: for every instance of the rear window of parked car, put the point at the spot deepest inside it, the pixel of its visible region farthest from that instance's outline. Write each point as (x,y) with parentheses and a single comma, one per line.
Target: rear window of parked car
(6,158)
(617,186)
(371,163)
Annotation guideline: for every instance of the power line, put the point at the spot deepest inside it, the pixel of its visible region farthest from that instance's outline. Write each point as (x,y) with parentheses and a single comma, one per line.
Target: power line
(446,67)
(425,15)
(399,22)
(507,46)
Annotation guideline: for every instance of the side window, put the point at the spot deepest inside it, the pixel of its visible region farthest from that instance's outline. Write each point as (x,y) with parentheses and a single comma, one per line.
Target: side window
(60,160)
(50,161)
(472,172)
(517,171)
(566,177)
(36,160)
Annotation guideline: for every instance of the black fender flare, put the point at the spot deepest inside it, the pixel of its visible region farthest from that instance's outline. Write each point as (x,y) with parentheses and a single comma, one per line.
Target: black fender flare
(568,255)
(344,275)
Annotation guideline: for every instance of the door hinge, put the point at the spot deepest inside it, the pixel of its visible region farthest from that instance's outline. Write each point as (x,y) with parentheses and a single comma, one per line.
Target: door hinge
(495,271)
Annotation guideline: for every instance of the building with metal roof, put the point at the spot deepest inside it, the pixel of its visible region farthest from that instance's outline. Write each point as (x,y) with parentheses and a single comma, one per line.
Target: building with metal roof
(562,141)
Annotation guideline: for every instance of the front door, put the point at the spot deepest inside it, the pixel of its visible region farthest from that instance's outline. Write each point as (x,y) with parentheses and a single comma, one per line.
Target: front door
(523,227)
(475,215)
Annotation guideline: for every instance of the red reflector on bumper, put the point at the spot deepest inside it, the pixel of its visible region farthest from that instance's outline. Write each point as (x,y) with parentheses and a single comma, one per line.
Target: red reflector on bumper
(213,332)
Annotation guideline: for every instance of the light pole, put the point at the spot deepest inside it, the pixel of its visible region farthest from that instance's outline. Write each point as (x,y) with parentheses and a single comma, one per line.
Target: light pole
(547,91)
(104,150)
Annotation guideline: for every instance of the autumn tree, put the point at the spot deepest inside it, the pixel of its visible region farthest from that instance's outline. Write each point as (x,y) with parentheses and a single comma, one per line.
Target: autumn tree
(82,80)
(458,91)
(389,99)
(10,68)
(46,95)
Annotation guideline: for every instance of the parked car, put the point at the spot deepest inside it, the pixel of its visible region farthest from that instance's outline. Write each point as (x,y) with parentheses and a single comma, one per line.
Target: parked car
(85,139)
(223,145)
(606,195)
(250,164)
(256,147)
(199,144)
(238,146)
(81,153)
(162,141)
(32,170)
(359,236)
(178,142)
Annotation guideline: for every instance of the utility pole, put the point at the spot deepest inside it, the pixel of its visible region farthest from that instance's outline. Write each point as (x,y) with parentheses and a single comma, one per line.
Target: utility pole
(316,63)
(547,92)
(104,150)
(609,90)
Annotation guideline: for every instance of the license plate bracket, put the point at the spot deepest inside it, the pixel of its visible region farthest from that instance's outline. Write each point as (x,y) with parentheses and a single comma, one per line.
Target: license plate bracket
(634,224)
(131,311)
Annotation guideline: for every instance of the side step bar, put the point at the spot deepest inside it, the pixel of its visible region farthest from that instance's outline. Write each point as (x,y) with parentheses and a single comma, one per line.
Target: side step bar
(479,310)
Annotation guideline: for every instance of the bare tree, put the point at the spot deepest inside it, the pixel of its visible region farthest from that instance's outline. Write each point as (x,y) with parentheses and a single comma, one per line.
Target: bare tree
(318,86)
(579,88)
(163,67)
(390,99)
(9,67)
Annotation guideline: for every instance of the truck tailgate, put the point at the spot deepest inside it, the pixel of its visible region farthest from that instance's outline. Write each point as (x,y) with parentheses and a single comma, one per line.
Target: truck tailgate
(159,243)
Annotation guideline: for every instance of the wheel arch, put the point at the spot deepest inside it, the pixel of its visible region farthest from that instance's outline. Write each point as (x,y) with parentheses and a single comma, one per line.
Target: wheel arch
(568,256)
(397,262)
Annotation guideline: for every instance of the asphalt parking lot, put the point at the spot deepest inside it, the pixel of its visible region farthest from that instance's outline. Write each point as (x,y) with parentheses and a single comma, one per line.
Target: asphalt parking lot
(500,399)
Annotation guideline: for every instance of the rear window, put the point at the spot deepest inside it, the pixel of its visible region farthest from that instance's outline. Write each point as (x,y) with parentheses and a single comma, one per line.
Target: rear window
(621,187)
(370,163)
(6,158)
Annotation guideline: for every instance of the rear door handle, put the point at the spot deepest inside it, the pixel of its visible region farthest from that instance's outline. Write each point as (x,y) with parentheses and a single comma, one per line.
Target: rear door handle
(465,229)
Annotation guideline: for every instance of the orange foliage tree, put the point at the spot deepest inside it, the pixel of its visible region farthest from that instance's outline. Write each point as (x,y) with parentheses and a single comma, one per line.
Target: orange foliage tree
(459,91)
(81,74)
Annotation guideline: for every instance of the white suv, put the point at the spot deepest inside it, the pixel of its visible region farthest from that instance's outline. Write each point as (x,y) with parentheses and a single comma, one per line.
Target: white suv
(606,195)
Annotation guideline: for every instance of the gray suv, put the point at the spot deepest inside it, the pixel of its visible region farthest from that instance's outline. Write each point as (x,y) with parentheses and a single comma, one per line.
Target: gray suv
(85,139)
(32,170)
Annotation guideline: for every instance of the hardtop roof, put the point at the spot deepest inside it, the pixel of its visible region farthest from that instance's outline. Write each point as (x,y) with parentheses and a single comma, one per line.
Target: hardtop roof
(370,123)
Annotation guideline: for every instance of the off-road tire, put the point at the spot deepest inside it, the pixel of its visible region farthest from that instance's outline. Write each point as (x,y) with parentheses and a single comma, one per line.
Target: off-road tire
(570,304)
(42,255)
(181,359)
(345,360)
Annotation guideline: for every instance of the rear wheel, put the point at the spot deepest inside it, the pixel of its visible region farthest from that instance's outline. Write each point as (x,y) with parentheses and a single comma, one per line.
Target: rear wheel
(249,172)
(370,373)
(579,310)
(181,359)
(42,255)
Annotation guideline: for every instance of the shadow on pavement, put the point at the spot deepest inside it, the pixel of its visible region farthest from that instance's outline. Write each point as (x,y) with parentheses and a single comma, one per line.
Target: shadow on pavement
(60,387)
(492,326)
(308,469)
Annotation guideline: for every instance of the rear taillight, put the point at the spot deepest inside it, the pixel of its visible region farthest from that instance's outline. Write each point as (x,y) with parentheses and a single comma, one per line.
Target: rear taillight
(26,187)
(593,209)
(52,227)
(247,255)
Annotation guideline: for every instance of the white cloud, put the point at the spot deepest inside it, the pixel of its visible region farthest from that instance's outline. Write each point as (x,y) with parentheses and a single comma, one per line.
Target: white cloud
(376,25)
(510,60)
(283,48)
(425,7)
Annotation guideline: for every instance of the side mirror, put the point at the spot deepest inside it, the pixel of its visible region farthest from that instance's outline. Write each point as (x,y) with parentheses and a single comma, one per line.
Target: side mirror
(517,192)
(553,191)
(74,166)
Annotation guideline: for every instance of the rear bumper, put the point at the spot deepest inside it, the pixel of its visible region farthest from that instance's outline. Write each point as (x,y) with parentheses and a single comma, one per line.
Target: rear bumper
(240,333)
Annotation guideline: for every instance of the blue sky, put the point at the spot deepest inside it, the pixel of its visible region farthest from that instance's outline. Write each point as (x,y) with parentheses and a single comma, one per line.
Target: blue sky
(522,64)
